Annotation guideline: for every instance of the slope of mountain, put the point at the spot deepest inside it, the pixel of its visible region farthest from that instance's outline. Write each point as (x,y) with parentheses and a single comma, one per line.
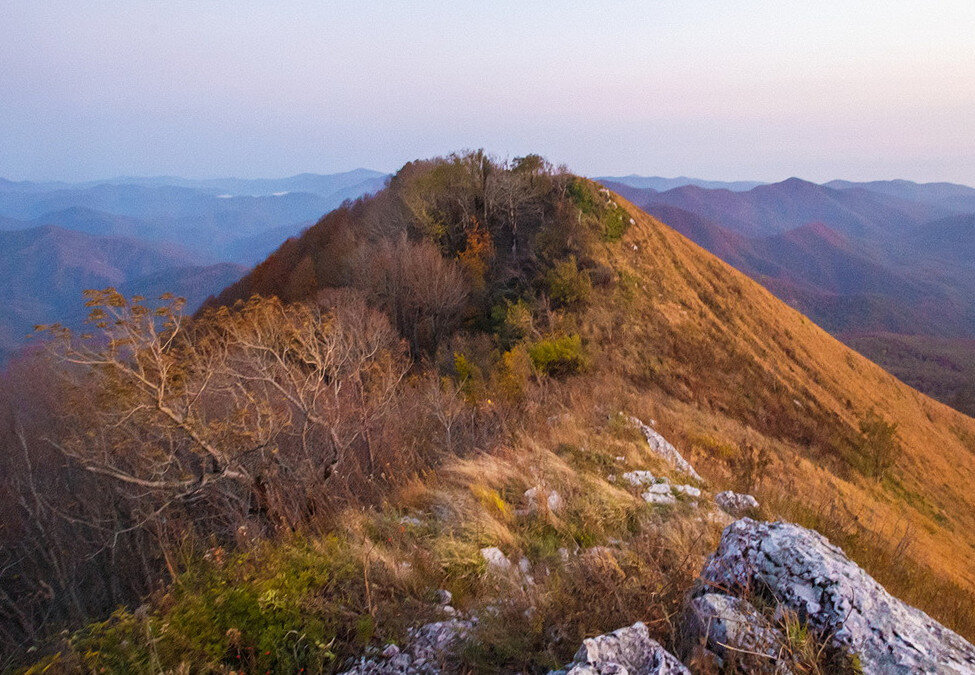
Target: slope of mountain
(879,262)
(950,239)
(194,283)
(709,349)
(45,270)
(662,184)
(942,367)
(541,330)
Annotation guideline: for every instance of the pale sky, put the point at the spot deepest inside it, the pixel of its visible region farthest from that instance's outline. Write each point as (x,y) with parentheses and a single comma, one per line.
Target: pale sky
(729,89)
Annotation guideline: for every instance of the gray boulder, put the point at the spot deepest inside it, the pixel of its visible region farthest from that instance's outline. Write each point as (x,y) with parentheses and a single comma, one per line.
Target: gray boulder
(735,503)
(800,569)
(627,651)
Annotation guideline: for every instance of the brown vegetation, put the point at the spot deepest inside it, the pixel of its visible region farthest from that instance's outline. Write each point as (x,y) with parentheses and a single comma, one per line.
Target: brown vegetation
(416,361)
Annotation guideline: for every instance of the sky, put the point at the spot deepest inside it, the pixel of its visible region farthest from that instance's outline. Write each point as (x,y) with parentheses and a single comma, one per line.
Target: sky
(714,89)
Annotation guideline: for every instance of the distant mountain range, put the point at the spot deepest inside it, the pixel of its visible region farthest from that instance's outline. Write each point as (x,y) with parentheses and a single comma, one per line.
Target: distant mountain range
(45,270)
(218,219)
(147,236)
(874,263)
(662,184)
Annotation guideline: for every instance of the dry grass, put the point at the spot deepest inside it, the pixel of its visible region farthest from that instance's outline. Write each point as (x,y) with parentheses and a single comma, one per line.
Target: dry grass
(757,398)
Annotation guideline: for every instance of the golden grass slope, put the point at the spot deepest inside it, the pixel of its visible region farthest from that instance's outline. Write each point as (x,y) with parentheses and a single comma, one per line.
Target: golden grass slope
(720,343)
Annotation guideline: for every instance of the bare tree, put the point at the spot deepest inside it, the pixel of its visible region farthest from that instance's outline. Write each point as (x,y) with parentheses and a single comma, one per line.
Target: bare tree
(250,408)
(423,293)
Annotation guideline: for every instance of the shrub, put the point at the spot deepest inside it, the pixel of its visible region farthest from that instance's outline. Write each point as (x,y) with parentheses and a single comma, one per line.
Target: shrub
(566,284)
(283,608)
(615,220)
(514,372)
(558,356)
(470,377)
(878,444)
(511,321)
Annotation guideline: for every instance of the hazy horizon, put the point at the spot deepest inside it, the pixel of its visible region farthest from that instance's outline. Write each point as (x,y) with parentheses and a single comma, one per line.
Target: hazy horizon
(878,91)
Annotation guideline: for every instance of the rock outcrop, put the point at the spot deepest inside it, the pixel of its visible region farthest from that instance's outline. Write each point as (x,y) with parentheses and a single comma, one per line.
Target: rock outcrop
(664,449)
(799,569)
(735,503)
(627,651)
(427,651)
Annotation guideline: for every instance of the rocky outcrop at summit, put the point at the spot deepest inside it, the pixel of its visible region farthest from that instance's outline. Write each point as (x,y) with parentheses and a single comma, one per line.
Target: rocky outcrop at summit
(799,569)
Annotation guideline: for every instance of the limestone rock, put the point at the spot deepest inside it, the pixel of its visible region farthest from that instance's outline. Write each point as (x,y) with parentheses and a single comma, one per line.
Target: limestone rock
(639,478)
(662,447)
(496,560)
(553,500)
(627,651)
(688,490)
(735,503)
(659,493)
(427,652)
(800,569)
(733,631)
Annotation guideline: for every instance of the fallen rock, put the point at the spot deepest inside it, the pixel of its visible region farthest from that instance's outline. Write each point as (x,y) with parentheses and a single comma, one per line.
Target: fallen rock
(428,651)
(688,490)
(734,632)
(662,447)
(639,478)
(659,494)
(553,500)
(735,503)
(801,570)
(496,560)
(627,651)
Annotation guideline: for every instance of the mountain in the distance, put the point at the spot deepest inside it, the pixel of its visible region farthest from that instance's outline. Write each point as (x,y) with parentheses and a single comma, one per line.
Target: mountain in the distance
(217,218)
(946,239)
(44,272)
(345,185)
(662,184)
(946,195)
(779,207)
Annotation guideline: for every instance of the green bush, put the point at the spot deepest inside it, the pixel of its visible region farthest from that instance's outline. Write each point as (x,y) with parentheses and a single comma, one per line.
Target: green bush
(558,356)
(584,196)
(285,608)
(615,220)
(566,284)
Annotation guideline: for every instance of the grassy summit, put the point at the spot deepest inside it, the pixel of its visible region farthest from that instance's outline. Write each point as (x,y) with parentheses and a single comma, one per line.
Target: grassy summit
(537,312)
